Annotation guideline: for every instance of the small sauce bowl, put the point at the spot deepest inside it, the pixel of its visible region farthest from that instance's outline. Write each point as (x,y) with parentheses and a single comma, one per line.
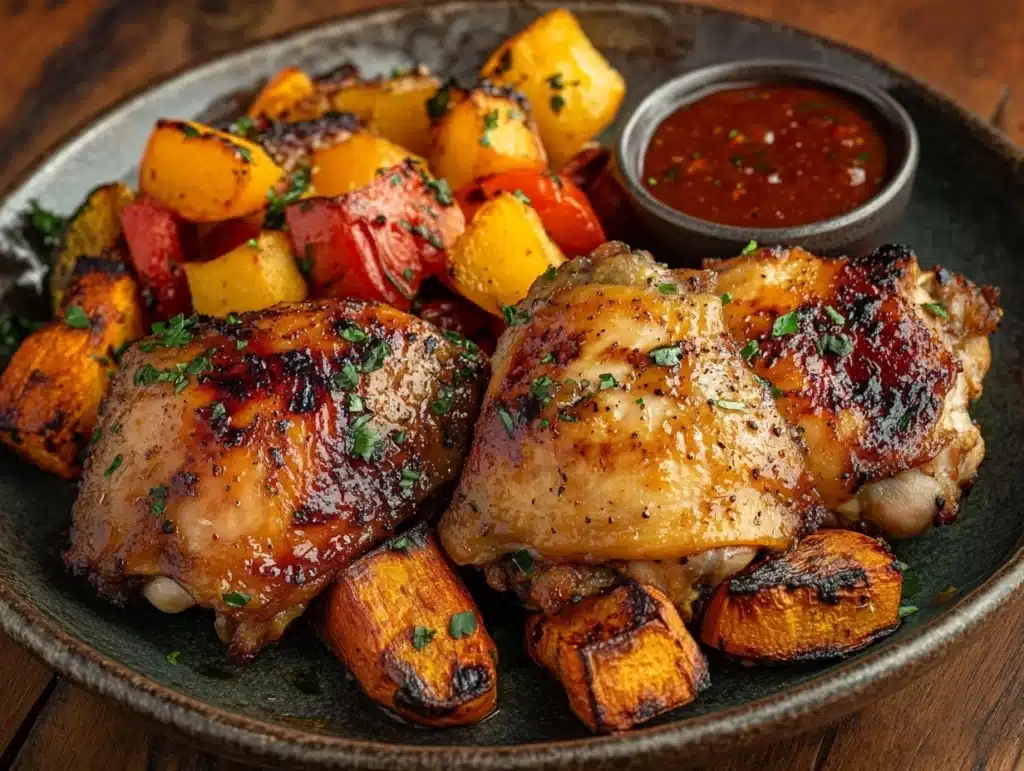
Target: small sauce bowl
(682,239)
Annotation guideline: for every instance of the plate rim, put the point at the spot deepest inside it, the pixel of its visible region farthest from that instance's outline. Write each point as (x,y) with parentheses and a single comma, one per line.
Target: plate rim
(793,710)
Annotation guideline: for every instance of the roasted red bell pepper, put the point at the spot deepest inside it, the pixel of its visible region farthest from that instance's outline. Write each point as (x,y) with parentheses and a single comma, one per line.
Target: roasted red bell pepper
(222,237)
(562,207)
(158,243)
(378,242)
(592,171)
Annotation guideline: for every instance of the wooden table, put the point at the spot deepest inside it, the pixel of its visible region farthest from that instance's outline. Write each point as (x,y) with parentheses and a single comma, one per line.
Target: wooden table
(68,60)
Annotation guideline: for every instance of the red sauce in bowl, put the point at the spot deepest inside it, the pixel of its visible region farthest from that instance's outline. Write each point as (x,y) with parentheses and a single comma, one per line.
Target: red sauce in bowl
(766,156)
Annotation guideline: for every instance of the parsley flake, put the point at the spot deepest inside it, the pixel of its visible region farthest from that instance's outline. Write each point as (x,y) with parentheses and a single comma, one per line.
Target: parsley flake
(937,310)
(462,624)
(667,287)
(506,420)
(729,404)
(835,315)
(236,599)
(750,350)
(409,478)
(667,356)
(726,298)
(75,318)
(787,324)
(115,464)
(840,345)
(421,637)
(606,381)
(523,560)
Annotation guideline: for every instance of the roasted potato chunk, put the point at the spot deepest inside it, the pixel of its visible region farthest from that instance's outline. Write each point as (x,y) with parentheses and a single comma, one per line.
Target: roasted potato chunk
(352,164)
(92,231)
(50,392)
(503,250)
(574,91)
(835,593)
(271,277)
(484,131)
(395,108)
(407,628)
(206,175)
(623,656)
(289,95)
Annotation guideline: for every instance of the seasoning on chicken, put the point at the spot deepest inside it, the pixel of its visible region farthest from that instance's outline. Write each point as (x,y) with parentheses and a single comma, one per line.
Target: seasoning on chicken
(874,361)
(242,463)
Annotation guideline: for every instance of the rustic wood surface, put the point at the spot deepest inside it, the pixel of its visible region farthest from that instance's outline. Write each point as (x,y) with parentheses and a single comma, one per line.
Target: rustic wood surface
(69,60)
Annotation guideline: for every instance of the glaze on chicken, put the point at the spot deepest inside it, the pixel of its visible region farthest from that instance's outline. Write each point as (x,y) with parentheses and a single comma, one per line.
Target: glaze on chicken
(621,427)
(242,463)
(875,361)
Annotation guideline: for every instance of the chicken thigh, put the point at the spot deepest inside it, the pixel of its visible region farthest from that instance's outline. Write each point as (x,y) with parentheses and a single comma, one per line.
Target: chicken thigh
(875,361)
(621,427)
(241,463)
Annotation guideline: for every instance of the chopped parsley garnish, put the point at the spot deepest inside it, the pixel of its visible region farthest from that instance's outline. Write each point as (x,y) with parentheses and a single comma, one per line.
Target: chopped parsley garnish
(514,316)
(540,389)
(523,560)
(443,402)
(550,273)
(347,378)
(376,356)
(233,319)
(411,539)
(835,315)
(462,624)
(190,132)
(568,417)
(607,380)
(557,102)
(298,184)
(506,420)
(355,403)
(547,358)
(364,438)
(640,401)
(48,226)
(178,375)
(907,610)
(115,464)
(788,324)
(409,478)
(399,438)
(244,153)
(172,658)
(437,105)
(218,411)
(421,637)
(840,345)
(776,392)
(937,310)
(726,298)
(667,356)
(556,81)
(490,124)
(667,287)
(243,127)
(729,404)
(157,499)
(241,344)
(522,197)
(236,599)
(75,317)
(173,334)
(750,248)
(750,350)
(352,333)
(97,434)
(442,191)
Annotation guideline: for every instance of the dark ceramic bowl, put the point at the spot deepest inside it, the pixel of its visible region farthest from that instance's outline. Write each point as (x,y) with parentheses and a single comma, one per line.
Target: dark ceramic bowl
(296,706)
(682,239)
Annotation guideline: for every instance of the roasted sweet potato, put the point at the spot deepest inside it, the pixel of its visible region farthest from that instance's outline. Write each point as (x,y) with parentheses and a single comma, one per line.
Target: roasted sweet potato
(92,231)
(408,629)
(835,593)
(259,273)
(346,166)
(502,251)
(623,656)
(481,132)
(284,96)
(50,392)
(574,91)
(394,108)
(206,175)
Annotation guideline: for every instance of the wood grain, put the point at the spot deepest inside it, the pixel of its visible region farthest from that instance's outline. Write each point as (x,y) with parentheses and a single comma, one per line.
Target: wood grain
(75,59)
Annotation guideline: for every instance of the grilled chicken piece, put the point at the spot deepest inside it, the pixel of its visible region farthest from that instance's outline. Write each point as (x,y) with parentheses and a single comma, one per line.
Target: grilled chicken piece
(875,361)
(244,462)
(621,425)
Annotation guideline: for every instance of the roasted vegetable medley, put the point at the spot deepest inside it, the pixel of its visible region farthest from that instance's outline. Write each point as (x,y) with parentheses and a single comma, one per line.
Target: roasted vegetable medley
(373,334)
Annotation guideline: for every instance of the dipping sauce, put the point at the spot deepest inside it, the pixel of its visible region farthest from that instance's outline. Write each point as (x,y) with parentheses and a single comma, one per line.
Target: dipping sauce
(766,156)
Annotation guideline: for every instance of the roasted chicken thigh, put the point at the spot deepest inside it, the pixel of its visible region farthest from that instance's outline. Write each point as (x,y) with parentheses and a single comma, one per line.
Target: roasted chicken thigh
(622,429)
(242,463)
(875,361)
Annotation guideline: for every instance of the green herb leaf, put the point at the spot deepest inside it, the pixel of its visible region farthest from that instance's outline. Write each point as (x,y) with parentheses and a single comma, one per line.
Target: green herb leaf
(515,316)
(442,191)
(47,225)
(787,324)
(115,464)
(726,298)
(835,315)
(776,392)
(606,381)
(421,637)
(443,402)
(190,132)
(218,411)
(346,379)
(840,345)
(172,658)
(355,403)
(75,317)
(378,353)
(506,420)
(937,310)
(364,438)
(750,350)
(462,624)
(728,404)
(668,287)
(409,478)
(557,103)
(157,499)
(523,560)
(241,344)
(298,183)
(750,248)
(437,105)
(640,401)
(667,356)
(522,197)
(907,610)
(556,81)
(236,599)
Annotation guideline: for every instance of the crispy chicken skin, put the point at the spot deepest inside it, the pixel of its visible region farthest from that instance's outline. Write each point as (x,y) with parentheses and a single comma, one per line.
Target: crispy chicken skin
(240,469)
(620,424)
(875,361)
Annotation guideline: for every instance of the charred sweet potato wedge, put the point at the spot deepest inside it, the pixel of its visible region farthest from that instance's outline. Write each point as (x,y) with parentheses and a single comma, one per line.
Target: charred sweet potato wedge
(408,630)
(835,593)
(50,392)
(622,656)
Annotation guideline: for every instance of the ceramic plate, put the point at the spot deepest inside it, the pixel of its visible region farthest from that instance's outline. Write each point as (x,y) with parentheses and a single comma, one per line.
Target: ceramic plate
(296,703)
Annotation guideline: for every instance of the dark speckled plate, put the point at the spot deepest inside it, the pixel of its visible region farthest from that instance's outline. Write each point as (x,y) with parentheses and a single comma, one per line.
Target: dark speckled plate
(296,703)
